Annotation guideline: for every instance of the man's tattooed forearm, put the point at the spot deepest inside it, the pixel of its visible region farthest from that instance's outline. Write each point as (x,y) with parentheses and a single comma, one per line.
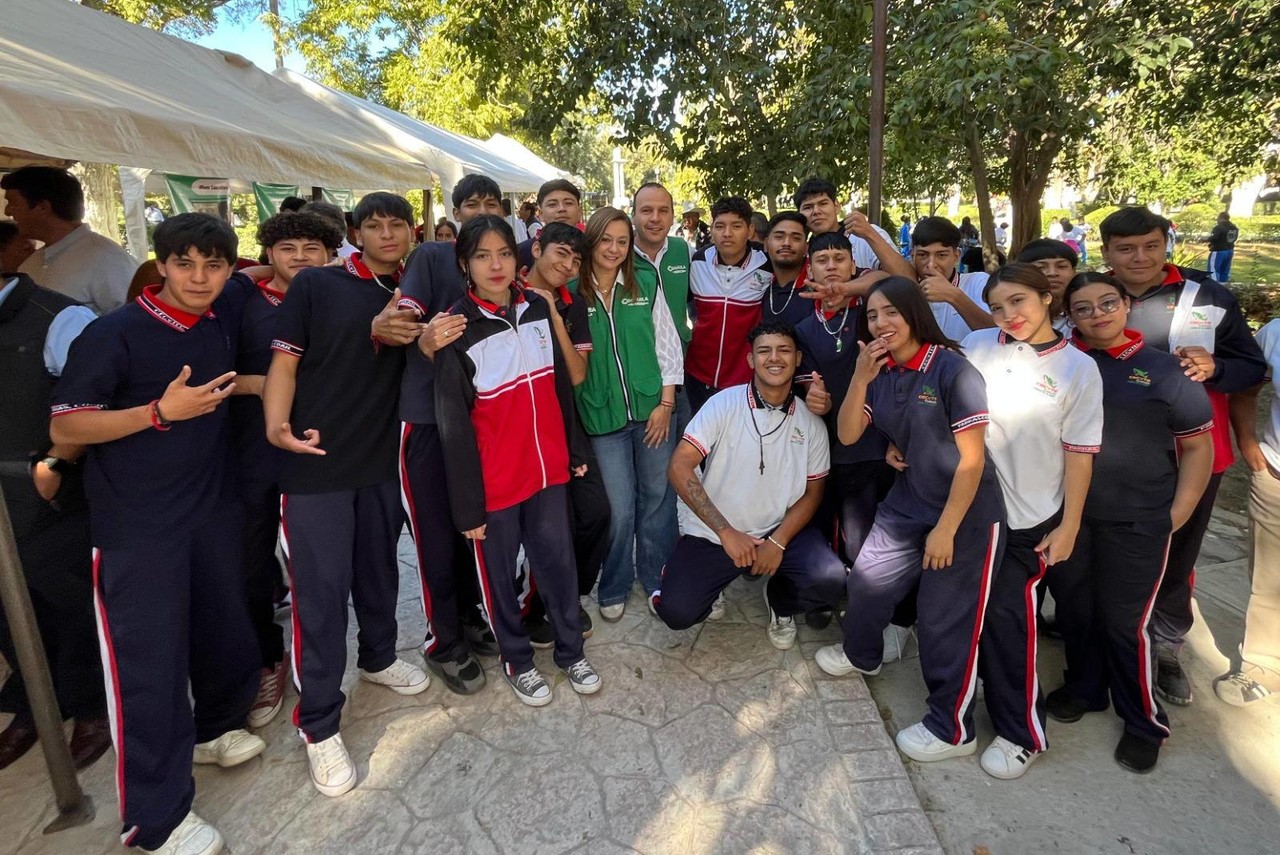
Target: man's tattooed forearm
(700,503)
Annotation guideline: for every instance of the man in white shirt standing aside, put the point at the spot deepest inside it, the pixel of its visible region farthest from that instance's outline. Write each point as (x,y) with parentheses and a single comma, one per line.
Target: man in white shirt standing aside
(48,205)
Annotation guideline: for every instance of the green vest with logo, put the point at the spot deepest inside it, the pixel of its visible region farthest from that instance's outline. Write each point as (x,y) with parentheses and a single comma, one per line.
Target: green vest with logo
(674,276)
(623,367)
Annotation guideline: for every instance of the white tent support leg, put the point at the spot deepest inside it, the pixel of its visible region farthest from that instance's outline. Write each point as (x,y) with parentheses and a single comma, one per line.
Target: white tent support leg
(133,189)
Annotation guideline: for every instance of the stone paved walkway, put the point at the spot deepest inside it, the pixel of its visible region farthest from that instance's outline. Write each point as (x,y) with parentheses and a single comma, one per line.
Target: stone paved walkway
(703,741)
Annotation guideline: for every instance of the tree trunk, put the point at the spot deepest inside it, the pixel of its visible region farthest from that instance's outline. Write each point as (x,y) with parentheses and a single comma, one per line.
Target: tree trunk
(986,219)
(101,197)
(1029,168)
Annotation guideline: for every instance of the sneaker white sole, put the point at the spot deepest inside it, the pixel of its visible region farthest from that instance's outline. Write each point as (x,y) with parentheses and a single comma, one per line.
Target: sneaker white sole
(264,717)
(338,789)
(1002,772)
(532,702)
(416,689)
(587,689)
(785,643)
(835,668)
(614,613)
(206,757)
(942,754)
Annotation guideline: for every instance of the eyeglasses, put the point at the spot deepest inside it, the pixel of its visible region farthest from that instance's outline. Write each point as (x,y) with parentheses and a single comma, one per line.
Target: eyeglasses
(1084,311)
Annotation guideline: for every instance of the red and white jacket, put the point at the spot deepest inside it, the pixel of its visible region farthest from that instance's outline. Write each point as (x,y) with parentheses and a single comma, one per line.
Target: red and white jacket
(504,405)
(727,304)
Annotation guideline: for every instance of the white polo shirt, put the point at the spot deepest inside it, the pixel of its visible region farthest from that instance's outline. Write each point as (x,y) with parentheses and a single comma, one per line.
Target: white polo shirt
(953,325)
(795,452)
(1042,403)
(864,257)
(85,266)
(1269,340)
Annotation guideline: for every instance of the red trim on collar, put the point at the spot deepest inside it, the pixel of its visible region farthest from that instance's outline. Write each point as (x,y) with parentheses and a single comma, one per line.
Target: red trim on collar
(920,362)
(271,295)
(1172,276)
(1004,338)
(517,296)
(1134,342)
(168,315)
(565,295)
(755,402)
(356,267)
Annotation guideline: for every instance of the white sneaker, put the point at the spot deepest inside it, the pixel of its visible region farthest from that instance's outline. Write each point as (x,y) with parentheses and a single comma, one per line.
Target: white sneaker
(919,743)
(193,836)
(648,601)
(1006,760)
(614,612)
(781,630)
(832,660)
(717,608)
(400,677)
(583,678)
(230,749)
(332,771)
(895,642)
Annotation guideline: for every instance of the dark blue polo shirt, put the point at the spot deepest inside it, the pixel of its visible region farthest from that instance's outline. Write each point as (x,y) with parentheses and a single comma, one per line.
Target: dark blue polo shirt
(348,384)
(782,301)
(431,284)
(258,460)
(154,482)
(920,406)
(818,349)
(1147,405)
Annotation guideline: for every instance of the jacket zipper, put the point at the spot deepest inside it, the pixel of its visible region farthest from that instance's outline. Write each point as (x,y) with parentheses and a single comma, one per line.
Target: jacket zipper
(533,398)
(617,357)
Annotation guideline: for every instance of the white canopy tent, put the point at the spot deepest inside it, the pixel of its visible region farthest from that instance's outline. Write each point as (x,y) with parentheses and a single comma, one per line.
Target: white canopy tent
(518,152)
(449,155)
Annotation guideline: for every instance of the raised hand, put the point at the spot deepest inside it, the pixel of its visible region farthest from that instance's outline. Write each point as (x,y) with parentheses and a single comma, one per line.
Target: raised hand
(394,325)
(181,402)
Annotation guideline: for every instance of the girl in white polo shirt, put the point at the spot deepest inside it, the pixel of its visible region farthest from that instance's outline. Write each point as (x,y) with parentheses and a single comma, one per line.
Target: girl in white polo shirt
(1045,403)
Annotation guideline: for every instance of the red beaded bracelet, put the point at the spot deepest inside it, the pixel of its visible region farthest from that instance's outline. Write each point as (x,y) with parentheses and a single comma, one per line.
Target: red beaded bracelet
(157,421)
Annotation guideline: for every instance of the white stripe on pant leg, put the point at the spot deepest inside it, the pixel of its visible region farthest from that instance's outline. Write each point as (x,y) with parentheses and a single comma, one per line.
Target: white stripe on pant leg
(971,675)
(411,516)
(115,706)
(1146,681)
(1033,653)
(295,652)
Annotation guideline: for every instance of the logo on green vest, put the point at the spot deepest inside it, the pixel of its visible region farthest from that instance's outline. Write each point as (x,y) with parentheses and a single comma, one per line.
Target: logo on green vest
(1140,377)
(635,301)
(1047,385)
(928,396)
(678,268)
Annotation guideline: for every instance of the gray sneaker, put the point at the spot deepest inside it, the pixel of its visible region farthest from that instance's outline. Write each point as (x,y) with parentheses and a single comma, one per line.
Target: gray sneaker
(530,687)
(462,677)
(583,678)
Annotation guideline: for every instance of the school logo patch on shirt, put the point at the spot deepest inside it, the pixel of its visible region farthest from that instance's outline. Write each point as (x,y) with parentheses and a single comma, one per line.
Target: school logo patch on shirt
(1140,377)
(928,396)
(1199,321)
(797,436)
(1047,385)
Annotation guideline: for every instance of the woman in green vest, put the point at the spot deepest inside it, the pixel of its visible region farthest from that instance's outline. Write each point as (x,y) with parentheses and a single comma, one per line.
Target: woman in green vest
(626,405)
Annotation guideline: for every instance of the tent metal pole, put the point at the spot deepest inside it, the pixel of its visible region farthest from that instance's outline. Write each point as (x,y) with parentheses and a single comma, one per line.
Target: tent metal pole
(74,807)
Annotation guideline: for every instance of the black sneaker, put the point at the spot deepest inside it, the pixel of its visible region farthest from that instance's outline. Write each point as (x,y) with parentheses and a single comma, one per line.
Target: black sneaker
(818,618)
(1065,707)
(540,634)
(1137,754)
(585,620)
(1172,683)
(481,639)
(463,676)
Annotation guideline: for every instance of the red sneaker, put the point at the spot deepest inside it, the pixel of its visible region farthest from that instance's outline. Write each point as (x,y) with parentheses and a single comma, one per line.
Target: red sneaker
(270,697)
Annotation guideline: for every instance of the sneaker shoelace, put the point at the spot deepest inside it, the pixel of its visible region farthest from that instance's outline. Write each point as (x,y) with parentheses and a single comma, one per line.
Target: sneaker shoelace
(529,682)
(331,753)
(581,671)
(270,684)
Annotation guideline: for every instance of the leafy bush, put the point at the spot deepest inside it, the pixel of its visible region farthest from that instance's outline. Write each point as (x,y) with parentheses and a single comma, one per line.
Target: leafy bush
(1197,219)
(1265,227)
(1095,217)
(1260,303)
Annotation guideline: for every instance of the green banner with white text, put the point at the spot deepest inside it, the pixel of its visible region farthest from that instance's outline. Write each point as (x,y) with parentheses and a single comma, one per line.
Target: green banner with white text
(269,197)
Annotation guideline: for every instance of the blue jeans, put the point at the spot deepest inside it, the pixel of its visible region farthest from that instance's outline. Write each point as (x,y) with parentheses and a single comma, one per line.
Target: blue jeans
(643,528)
(1220,264)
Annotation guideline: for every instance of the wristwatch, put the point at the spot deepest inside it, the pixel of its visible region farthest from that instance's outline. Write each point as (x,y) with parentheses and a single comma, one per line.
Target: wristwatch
(56,464)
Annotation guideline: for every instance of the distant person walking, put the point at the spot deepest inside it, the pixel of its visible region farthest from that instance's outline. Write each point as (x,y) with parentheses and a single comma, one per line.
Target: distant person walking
(1222,247)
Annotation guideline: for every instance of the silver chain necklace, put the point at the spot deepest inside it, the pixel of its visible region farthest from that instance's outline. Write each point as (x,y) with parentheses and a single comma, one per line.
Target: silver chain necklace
(839,328)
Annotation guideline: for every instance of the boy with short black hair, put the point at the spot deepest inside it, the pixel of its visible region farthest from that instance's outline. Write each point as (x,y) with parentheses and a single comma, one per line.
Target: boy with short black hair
(341,502)
(786,245)
(727,280)
(816,199)
(559,201)
(1057,261)
(1201,323)
(292,242)
(143,388)
(955,297)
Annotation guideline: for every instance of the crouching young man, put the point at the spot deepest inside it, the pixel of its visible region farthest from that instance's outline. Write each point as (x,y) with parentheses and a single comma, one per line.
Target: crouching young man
(143,388)
(764,461)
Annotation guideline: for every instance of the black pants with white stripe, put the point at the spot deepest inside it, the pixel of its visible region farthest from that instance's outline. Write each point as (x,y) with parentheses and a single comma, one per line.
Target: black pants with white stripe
(341,545)
(1105,593)
(446,571)
(541,524)
(1007,651)
(172,609)
(952,604)
(1172,618)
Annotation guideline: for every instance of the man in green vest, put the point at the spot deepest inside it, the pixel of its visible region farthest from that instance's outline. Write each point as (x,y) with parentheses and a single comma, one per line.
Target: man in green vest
(667,258)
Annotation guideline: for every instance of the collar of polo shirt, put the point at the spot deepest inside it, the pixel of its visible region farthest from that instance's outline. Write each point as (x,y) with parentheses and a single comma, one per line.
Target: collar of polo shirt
(921,362)
(171,316)
(1040,349)
(1134,342)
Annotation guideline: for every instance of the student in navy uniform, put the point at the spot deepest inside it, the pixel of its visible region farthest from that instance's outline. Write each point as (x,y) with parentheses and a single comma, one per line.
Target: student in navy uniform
(785,245)
(942,523)
(506,422)
(338,388)
(143,388)
(43,486)
(1058,262)
(764,460)
(292,242)
(954,297)
(1200,322)
(559,201)
(1156,458)
(557,255)
(1045,401)
(420,318)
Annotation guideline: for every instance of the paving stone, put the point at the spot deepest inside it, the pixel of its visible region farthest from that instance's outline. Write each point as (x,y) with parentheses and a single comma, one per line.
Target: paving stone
(448,834)
(726,652)
(811,784)
(862,711)
(742,826)
(647,814)
(873,765)
(360,821)
(899,830)
(458,776)
(774,705)
(543,808)
(643,685)
(389,749)
(860,737)
(618,746)
(707,758)
(849,688)
(886,796)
